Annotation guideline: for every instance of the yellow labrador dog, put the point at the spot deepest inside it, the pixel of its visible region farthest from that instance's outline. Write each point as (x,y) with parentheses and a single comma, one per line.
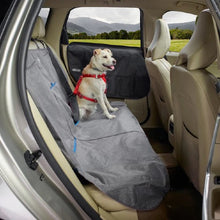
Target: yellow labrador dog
(91,86)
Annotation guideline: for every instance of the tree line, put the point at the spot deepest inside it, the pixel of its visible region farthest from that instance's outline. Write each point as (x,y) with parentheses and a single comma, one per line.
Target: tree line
(122,34)
(180,34)
(136,35)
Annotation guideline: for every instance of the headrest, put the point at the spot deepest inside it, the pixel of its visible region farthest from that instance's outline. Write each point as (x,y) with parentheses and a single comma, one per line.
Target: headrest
(39,29)
(161,41)
(201,50)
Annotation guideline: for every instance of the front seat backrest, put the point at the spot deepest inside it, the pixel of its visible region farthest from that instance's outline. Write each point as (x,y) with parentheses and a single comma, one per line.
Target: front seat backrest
(159,70)
(195,100)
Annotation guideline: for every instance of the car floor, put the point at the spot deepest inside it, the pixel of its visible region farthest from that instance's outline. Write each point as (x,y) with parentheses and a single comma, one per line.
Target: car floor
(183,201)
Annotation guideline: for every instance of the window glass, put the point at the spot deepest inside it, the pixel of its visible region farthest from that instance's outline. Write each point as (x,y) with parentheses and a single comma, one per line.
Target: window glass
(117,26)
(181,27)
(44,13)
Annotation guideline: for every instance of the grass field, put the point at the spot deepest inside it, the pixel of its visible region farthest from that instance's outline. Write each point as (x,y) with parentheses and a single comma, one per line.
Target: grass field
(131,43)
(176,45)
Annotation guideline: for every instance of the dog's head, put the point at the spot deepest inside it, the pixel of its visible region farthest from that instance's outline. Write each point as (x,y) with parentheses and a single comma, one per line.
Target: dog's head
(103,60)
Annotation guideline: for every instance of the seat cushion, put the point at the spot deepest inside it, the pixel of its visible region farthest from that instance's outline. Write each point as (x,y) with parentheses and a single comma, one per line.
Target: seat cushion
(104,201)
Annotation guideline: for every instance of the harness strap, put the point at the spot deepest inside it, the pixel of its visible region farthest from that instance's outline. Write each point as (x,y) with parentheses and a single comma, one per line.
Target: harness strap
(80,95)
(102,76)
(85,97)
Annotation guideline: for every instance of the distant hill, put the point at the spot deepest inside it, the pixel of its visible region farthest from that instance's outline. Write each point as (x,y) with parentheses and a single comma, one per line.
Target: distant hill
(75,29)
(93,26)
(183,26)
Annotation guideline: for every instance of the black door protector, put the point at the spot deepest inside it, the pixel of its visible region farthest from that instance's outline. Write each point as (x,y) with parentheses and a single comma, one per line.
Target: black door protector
(129,79)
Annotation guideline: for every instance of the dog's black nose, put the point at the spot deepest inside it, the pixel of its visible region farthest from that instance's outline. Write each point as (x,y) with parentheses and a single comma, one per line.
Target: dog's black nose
(114,62)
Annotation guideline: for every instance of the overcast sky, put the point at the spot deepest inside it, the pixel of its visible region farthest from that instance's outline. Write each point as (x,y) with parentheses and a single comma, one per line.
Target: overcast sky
(126,15)
(178,17)
(109,15)
(123,15)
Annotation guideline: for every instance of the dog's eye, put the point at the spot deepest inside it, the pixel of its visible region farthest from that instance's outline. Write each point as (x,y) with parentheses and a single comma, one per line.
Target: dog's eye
(105,57)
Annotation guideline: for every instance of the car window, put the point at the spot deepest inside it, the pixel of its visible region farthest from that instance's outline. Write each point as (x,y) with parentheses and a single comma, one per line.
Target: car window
(44,13)
(115,26)
(181,27)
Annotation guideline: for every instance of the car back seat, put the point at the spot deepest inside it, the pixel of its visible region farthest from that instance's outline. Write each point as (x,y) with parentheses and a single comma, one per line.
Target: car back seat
(101,203)
(159,71)
(195,99)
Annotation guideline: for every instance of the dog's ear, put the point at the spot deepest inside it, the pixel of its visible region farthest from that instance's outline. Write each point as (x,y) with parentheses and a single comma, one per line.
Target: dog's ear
(108,50)
(96,51)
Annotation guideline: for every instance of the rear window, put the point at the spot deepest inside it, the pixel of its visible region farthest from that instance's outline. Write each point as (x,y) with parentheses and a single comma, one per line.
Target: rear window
(181,27)
(44,13)
(114,26)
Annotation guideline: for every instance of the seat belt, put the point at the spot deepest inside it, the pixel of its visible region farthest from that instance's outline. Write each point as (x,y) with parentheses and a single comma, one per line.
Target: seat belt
(72,101)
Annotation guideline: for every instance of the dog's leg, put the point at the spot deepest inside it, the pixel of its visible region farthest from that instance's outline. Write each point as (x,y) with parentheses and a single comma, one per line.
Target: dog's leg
(83,113)
(101,102)
(110,108)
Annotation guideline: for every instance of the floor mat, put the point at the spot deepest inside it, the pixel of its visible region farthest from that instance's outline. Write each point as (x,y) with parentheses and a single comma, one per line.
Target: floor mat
(183,201)
(158,139)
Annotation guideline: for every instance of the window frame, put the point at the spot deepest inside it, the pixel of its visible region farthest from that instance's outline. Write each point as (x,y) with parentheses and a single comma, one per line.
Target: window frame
(65,40)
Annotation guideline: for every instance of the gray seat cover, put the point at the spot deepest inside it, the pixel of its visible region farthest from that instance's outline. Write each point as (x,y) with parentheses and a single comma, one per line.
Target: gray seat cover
(115,155)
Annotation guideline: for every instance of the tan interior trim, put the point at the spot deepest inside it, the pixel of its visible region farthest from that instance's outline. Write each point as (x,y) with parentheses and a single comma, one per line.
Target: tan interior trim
(191,6)
(64,51)
(104,201)
(65,60)
(119,215)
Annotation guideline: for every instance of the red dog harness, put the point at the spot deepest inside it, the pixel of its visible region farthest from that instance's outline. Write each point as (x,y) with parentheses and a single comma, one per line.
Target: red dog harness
(76,90)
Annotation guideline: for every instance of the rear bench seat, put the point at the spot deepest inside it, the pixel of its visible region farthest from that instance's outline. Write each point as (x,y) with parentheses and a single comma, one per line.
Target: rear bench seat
(100,202)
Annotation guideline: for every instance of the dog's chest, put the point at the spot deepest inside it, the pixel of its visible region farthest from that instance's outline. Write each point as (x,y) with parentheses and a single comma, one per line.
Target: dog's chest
(100,85)
(103,85)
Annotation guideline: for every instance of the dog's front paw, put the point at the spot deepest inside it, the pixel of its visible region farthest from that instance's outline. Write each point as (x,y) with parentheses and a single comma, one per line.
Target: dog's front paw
(110,116)
(114,109)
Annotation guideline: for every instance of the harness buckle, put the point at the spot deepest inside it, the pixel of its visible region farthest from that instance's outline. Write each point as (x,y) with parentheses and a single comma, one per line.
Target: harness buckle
(80,95)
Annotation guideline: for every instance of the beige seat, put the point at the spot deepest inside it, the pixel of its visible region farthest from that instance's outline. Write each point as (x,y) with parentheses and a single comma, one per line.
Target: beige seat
(195,100)
(159,70)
